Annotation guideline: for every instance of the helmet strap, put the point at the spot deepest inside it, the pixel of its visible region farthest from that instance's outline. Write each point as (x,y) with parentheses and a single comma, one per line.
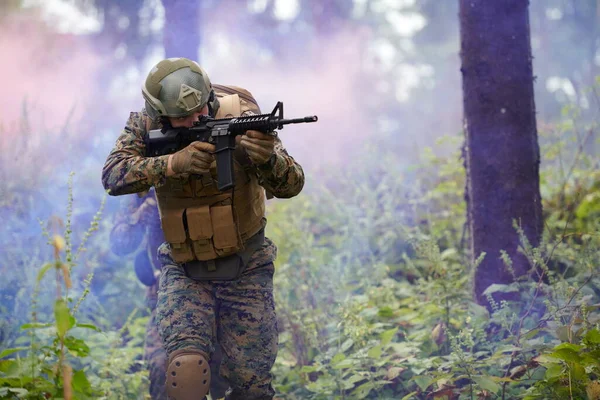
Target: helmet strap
(211,98)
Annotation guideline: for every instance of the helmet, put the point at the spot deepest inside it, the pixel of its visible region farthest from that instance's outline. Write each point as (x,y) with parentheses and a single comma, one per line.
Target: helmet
(176,87)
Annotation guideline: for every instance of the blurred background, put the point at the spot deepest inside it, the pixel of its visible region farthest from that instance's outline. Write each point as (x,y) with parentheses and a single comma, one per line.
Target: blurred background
(377,72)
(383,76)
(374,70)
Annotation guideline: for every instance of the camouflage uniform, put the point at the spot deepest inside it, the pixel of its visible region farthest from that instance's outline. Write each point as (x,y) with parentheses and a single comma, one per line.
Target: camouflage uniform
(154,352)
(239,314)
(156,356)
(130,232)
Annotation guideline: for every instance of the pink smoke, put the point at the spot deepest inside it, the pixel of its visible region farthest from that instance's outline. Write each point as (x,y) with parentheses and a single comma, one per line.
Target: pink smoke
(49,74)
(53,74)
(324,81)
(48,84)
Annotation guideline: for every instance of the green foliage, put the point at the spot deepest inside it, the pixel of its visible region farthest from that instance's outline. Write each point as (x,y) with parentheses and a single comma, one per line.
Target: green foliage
(373,291)
(64,357)
(374,288)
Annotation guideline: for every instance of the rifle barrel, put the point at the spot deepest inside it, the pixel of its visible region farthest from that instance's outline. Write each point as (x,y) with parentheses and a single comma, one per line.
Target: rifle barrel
(312,118)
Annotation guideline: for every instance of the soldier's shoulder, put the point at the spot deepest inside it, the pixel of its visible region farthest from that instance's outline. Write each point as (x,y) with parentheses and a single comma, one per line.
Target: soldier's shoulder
(135,120)
(140,121)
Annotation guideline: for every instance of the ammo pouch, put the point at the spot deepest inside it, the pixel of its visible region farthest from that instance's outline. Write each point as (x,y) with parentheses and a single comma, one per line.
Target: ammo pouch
(202,232)
(225,268)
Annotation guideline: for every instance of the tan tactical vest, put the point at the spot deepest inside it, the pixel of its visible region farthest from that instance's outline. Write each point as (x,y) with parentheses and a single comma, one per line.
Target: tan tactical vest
(198,221)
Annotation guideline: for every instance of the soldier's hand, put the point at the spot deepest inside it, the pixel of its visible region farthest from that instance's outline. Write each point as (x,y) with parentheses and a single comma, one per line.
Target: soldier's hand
(259,146)
(194,159)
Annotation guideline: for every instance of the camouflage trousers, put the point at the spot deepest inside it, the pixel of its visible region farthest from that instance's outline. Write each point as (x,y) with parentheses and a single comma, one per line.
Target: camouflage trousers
(156,357)
(238,314)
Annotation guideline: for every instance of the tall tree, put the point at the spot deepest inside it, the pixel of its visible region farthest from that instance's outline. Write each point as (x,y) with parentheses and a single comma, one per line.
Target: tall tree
(182,28)
(501,150)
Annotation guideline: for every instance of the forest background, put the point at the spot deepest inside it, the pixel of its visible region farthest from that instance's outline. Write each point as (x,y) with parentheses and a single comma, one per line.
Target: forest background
(374,273)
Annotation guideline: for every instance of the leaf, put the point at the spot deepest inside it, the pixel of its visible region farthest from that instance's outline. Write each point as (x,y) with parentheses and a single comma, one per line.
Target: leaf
(593,336)
(566,355)
(88,326)
(563,333)
(589,205)
(578,372)
(8,367)
(35,325)
(479,259)
(588,360)
(486,383)
(20,381)
(347,363)
(518,372)
(423,382)
(43,271)
(337,358)
(508,348)
(569,346)
(409,396)
(19,391)
(553,371)
(448,253)
(386,312)
(531,334)
(394,372)
(375,352)
(478,311)
(7,352)
(80,382)
(64,319)
(363,390)
(77,346)
(346,345)
(497,287)
(349,382)
(387,336)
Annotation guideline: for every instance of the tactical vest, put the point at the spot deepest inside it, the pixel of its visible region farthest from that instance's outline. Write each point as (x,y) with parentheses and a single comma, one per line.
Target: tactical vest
(199,221)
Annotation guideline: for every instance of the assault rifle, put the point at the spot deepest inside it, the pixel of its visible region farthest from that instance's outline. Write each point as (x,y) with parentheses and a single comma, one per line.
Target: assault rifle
(220,132)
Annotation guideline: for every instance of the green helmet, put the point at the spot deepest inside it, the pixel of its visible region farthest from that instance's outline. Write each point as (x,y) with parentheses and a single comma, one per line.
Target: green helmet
(176,87)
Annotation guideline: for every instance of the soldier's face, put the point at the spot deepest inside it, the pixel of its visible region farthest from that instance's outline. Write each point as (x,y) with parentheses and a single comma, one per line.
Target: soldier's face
(188,122)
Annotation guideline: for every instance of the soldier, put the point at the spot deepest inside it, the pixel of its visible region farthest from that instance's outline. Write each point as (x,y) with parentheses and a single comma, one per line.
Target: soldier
(137,228)
(216,282)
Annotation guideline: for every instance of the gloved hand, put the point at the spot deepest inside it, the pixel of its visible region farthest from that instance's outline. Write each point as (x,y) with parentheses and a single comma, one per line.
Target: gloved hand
(194,159)
(259,146)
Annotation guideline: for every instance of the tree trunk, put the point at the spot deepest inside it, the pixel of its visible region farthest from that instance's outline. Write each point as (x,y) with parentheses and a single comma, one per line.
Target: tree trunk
(502,152)
(182,28)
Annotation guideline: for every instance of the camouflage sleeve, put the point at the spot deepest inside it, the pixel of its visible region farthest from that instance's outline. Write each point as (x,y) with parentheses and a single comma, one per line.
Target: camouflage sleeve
(282,176)
(126,169)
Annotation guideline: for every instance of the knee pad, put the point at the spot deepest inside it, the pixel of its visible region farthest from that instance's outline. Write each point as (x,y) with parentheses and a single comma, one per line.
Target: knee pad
(188,375)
